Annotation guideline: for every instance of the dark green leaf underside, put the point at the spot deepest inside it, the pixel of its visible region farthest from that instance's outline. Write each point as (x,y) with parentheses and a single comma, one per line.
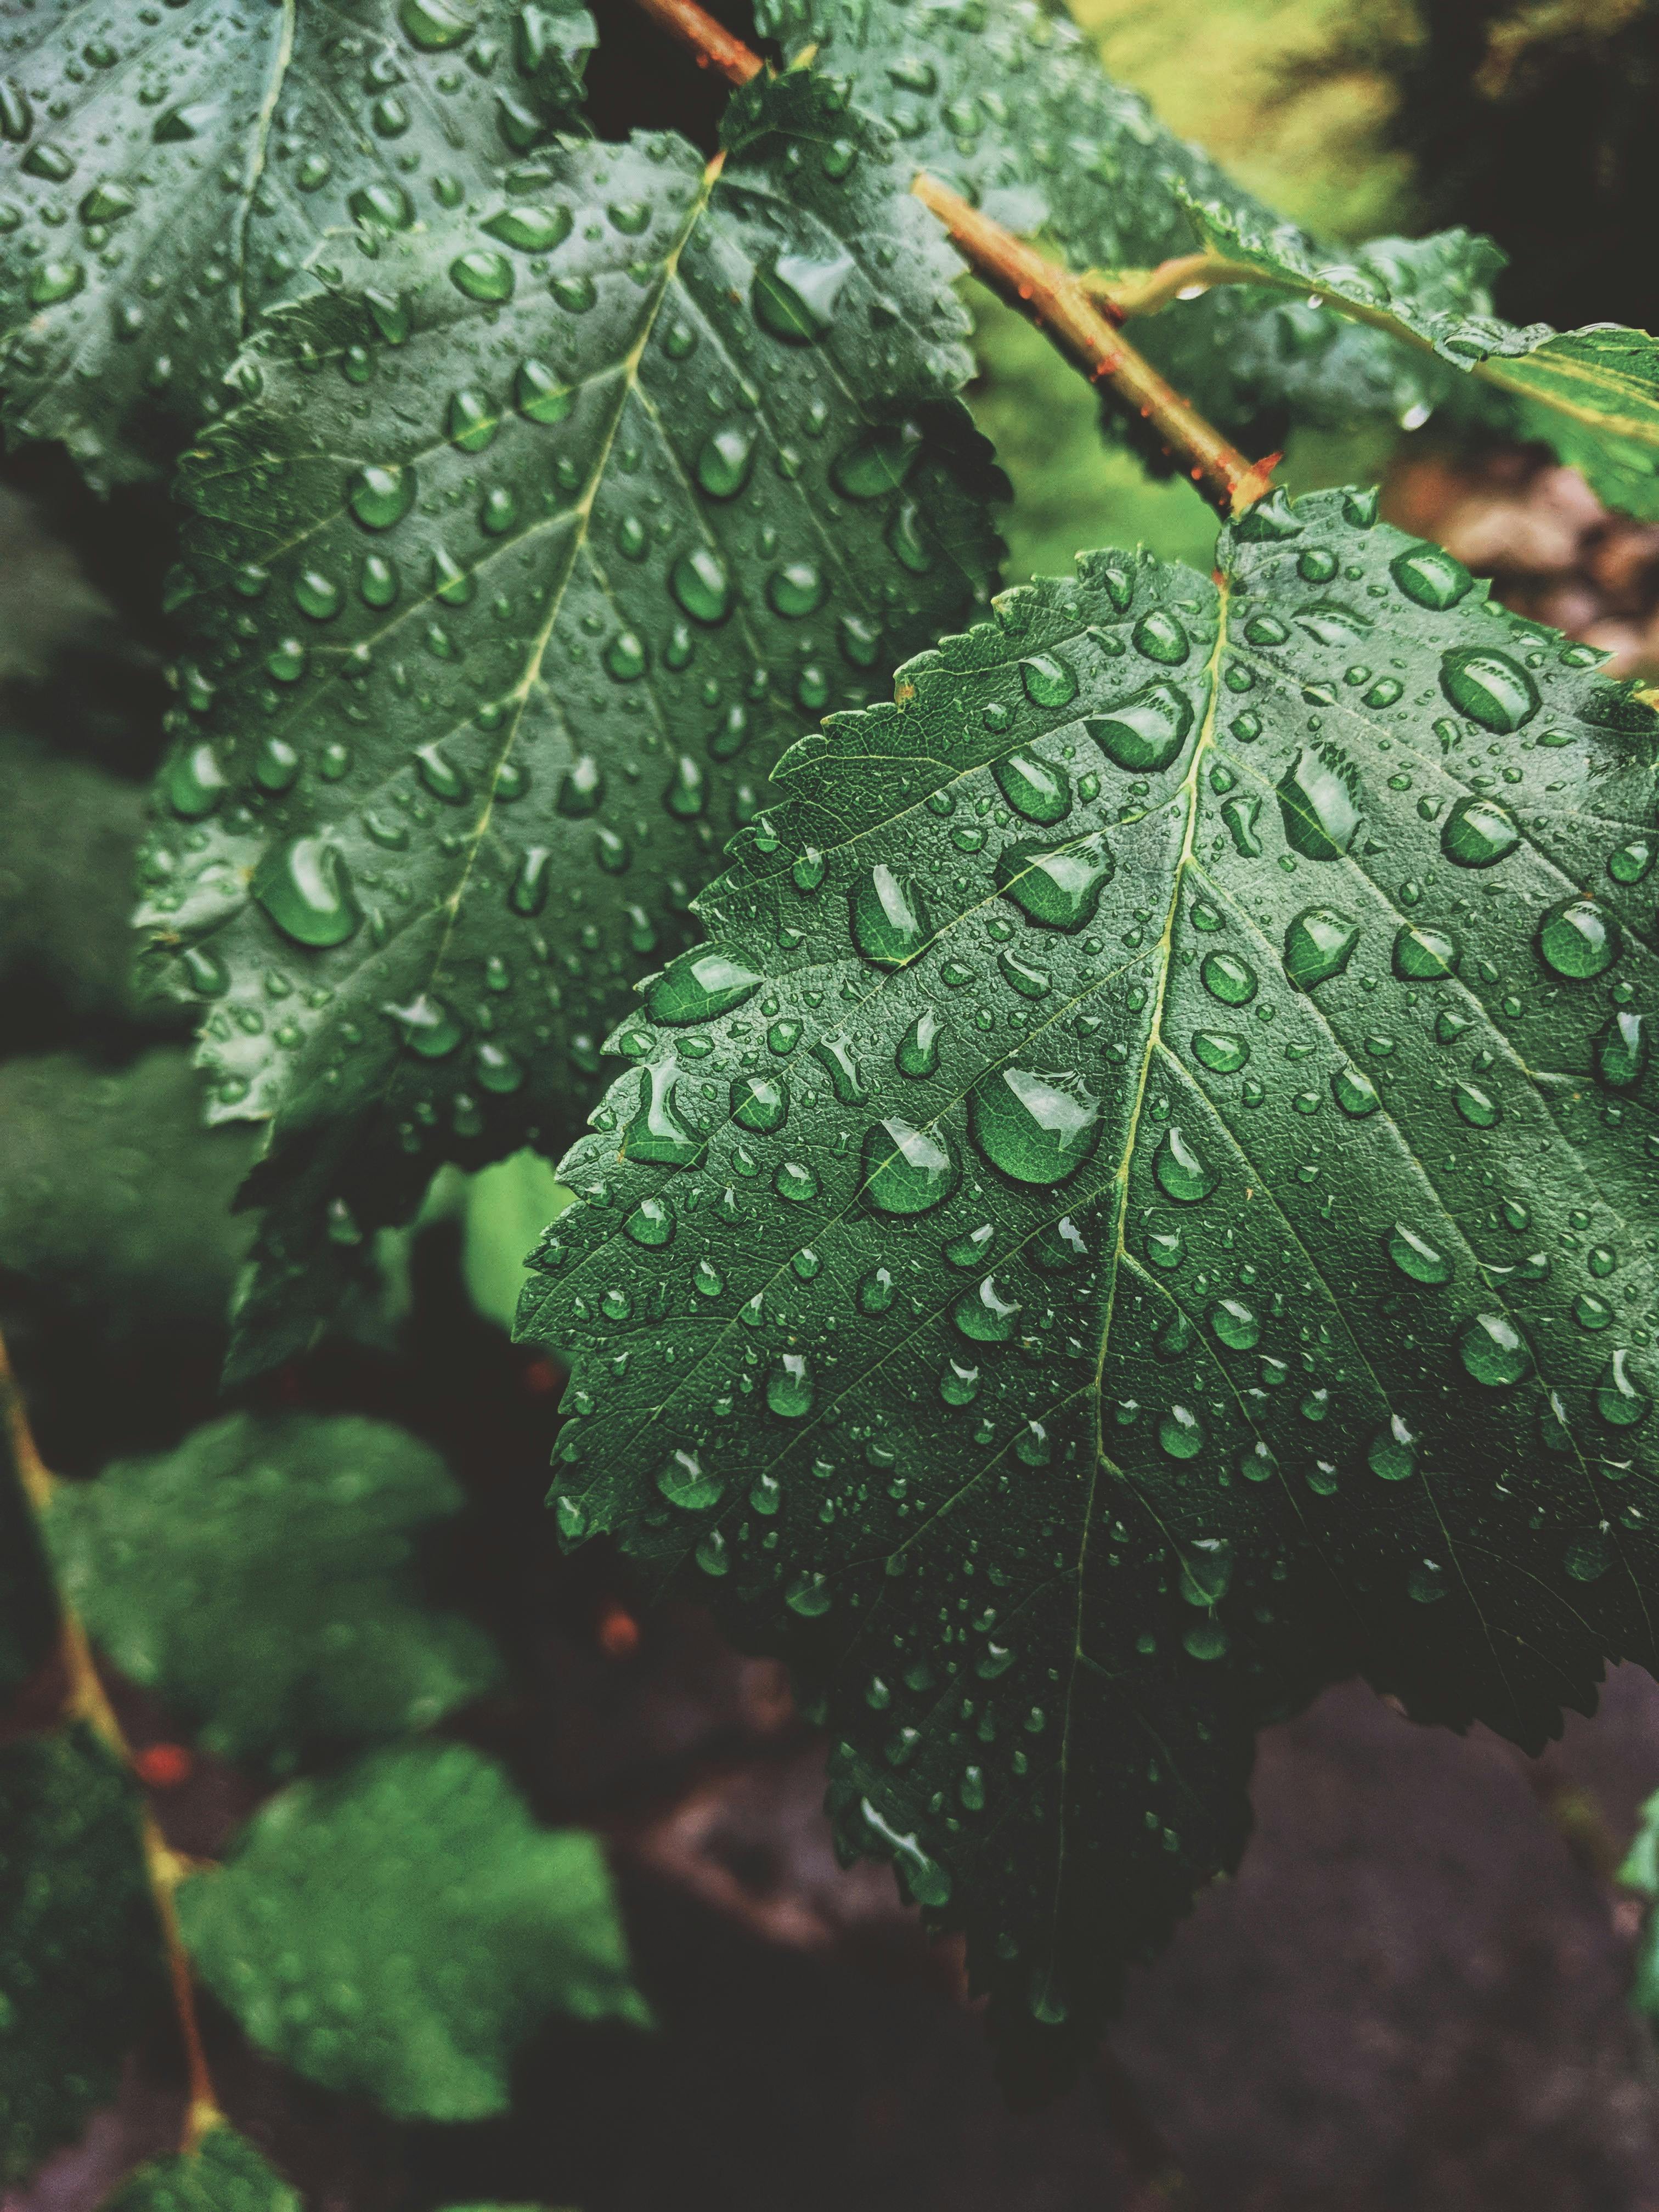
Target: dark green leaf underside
(506,604)
(1165,1215)
(397,1932)
(259,1579)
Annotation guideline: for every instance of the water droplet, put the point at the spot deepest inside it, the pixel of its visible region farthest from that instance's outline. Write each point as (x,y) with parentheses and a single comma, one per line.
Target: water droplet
(1355,1092)
(760,1103)
(538,394)
(878,462)
(1317,805)
(795,1182)
(876,1291)
(1631,862)
(380,496)
(1619,1399)
(1181,1433)
(432,25)
(1494,1350)
(1036,1127)
(790,1386)
(795,296)
(1048,681)
(1234,1324)
(1430,578)
(430,1027)
(1180,1169)
(1392,1453)
(1206,1570)
(483,274)
(1477,1108)
(1488,687)
(657,1134)
(1622,1049)
(927,1881)
(387,205)
(809,1595)
(906,1169)
(194,781)
(306,889)
(685,1482)
(1228,978)
(1223,1051)
(1422,955)
(985,1314)
(1032,787)
(1479,833)
(1587,1559)
(701,585)
(1318,944)
(472,421)
(708,981)
(890,921)
(725,459)
(917,1055)
(1416,1257)
(652,1224)
(1146,732)
(1161,636)
(796,589)
(706,1279)
(1057,886)
(531,229)
(1579,938)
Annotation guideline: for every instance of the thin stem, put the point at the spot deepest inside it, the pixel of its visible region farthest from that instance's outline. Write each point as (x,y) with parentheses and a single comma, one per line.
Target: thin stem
(85,1700)
(1060,306)
(714,46)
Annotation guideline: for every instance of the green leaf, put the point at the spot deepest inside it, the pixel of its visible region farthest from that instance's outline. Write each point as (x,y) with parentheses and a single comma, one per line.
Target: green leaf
(1172,1216)
(80,1975)
(1592,394)
(529,613)
(399,1931)
(224,2173)
(1006,101)
(261,1580)
(505,1207)
(115,1201)
(162,179)
(1640,1872)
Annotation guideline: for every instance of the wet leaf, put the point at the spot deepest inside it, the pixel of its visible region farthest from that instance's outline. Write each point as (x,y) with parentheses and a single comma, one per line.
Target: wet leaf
(163,173)
(1198,1236)
(260,1579)
(497,647)
(1591,394)
(397,1931)
(81,1976)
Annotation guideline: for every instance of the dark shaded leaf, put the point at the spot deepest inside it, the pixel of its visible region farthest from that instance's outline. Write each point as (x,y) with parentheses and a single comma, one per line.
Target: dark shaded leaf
(80,1974)
(261,1580)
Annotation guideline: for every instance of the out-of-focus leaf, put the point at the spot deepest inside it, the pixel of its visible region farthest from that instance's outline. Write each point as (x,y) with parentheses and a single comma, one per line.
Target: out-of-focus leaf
(261,1580)
(397,1931)
(506,1207)
(224,2173)
(81,1973)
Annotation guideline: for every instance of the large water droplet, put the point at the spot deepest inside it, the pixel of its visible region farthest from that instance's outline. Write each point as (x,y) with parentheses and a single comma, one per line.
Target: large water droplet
(307,889)
(1057,886)
(532,229)
(1228,978)
(795,296)
(1206,1570)
(1032,787)
(432,25)
(1424,954)
(906,1169)
(380,496)
(986,1314)
(1161,636)
(1317,805)
(685,1482)
(1478,1107)
(709,980)
(1494,1350)
(651,1224)
(1318,944)
(483,274)
(1479,833)
(1619,1399)
(1416,1257)
(1235,1324)
(1146,733)
(1182,1172)
(889,919)
(1048,681)
(879,462)
(760,1103)
(1036,1127)
(429,1025)
(1488,687)
(790,1386)
(1579,938)
(917,1055)
(702,585)
(657,1135)
(1223,1051)
(1430,578)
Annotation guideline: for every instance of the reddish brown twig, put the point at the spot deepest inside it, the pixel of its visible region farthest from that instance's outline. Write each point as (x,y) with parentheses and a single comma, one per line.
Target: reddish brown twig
(85,1701)
(1082,325)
